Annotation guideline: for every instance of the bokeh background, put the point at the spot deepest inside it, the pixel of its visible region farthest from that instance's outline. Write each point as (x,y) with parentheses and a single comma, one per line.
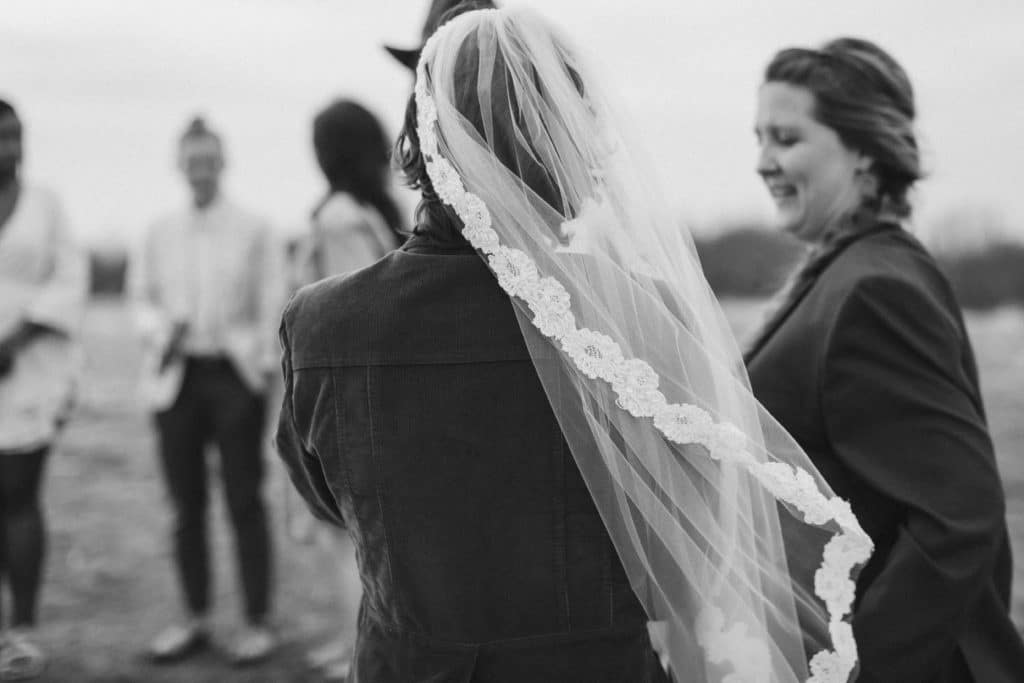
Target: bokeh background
(106,86)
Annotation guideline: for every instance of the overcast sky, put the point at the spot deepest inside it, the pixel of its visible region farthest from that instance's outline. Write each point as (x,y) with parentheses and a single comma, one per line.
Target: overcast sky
(105,86)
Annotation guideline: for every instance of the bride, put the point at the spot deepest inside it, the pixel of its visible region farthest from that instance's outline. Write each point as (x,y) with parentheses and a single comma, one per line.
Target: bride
(533,416)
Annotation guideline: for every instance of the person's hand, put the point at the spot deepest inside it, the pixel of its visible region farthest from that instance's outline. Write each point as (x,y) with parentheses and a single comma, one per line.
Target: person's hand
(6,359)
(18,339)
(173,350)
(9,346)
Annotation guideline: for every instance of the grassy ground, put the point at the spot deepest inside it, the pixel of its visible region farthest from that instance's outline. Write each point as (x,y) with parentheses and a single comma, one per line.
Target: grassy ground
(109,585)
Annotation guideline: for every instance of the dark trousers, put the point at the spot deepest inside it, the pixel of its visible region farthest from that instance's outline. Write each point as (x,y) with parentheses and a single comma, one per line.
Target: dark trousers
(22,532)
(215,406)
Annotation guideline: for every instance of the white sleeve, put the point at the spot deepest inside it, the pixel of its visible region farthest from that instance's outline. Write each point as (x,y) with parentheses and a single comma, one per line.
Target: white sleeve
(60,303)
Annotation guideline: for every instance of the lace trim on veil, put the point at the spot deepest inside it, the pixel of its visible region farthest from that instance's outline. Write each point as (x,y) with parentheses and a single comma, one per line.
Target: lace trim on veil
(635,384)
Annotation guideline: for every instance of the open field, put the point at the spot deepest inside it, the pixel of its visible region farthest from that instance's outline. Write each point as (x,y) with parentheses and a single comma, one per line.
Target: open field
(110,587)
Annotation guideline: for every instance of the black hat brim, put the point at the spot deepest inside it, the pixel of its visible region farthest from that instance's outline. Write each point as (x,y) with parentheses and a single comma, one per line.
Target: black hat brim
(407,58)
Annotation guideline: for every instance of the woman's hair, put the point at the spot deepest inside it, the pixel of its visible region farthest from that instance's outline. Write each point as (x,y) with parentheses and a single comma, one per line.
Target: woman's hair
(504,131)
(7,109)
(409,160)
(352,151)
(865,96)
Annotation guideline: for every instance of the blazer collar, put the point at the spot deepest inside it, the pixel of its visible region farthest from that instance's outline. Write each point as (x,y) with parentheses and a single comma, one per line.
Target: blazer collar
(804,280)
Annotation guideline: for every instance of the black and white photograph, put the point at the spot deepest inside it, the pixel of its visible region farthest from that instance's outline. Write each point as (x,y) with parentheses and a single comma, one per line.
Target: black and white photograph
(511,341)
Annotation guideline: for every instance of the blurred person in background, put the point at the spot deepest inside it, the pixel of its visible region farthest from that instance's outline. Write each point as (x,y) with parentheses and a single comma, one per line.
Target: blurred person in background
(357,221)
(204,286)
(867,363)
(43,290)
(355,224)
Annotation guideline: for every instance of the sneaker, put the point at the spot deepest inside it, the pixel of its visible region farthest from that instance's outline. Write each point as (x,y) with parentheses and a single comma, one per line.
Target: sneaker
(20,658)
(329,653)
(179,642)
(253,645)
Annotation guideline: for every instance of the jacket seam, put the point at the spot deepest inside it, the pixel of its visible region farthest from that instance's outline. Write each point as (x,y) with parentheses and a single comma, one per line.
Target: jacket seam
(339,421)
(405,359)
(399,631)
(377,484)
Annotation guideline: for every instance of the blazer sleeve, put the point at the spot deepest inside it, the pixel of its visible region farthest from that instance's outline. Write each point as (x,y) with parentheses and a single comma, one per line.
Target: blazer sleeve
(903,415)
(299,457)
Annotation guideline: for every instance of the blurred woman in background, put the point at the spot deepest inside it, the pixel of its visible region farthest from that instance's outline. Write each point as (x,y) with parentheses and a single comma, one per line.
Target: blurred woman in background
(355,224)
(357,221)
(867,363)
(43,284)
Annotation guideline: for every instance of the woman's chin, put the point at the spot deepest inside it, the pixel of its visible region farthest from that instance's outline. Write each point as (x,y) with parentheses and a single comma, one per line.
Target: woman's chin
(790,222)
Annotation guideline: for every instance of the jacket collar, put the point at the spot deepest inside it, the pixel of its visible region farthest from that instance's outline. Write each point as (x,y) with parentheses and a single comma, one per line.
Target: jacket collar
(427,241)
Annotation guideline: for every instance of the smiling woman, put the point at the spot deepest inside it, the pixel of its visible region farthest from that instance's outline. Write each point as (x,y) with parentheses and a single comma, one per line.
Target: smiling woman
(815,180)
(835,129)
(868,365)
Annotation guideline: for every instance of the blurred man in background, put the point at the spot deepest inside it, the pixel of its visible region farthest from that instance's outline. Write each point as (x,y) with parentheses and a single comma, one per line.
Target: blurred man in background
(204,288)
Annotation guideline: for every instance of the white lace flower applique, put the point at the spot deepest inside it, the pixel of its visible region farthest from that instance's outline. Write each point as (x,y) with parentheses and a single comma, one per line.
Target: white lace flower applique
(551,308)
(515,270)
(595,354)
(636,385)
(684,423)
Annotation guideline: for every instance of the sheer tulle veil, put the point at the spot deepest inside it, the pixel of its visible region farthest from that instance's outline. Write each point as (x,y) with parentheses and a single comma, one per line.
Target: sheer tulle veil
(729,535)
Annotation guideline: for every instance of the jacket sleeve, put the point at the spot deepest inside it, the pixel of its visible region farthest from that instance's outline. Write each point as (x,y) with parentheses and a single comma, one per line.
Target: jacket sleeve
(903,415)
(60,302)
(299,457)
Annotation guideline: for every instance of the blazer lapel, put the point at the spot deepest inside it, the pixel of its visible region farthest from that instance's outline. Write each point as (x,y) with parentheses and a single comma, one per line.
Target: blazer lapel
(774,320)
(804,280)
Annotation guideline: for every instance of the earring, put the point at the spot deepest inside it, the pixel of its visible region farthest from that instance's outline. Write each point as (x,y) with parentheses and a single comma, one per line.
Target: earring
(868,183)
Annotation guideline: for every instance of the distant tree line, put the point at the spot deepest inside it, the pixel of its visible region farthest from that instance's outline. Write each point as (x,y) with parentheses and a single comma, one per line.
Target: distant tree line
(748,262)
(752,262)
(988,277)
(755,262)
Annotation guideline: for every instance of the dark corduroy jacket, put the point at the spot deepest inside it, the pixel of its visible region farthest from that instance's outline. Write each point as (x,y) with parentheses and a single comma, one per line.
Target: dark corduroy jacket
(869,367)
(414,418)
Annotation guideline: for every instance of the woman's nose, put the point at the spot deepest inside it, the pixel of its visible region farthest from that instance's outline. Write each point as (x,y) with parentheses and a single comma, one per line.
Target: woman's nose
(766,161)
